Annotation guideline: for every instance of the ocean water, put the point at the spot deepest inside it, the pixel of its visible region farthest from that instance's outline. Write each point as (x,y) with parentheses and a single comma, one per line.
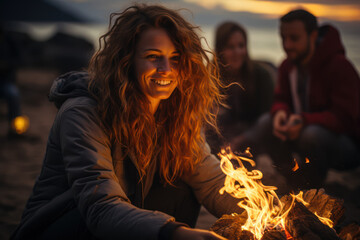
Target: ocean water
(264,43)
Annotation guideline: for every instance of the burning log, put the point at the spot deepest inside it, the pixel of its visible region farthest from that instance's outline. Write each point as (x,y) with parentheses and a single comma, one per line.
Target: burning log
(230,226)
(325,205)
(321,204)
(350,232)
(274,235)
(303,224)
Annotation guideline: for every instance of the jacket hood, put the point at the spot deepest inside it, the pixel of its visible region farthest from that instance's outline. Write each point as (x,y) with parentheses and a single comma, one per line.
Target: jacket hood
(328,45)
(69,85)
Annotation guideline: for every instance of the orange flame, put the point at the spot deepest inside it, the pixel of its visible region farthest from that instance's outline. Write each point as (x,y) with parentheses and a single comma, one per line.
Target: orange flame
(263,206)
(261,202)
(296,167)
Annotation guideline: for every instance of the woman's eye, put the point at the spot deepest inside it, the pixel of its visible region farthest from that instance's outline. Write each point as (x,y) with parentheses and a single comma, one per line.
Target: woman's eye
(152,57)
(175,59)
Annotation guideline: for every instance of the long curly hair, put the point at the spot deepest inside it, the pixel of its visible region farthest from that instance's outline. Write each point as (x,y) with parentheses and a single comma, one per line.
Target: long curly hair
(173,135)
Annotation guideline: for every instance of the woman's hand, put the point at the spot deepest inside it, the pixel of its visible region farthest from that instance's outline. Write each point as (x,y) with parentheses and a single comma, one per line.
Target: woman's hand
(185,233)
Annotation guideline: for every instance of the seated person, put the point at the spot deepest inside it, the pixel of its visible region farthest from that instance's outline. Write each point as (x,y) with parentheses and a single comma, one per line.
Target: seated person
(252,95)
(126,156)
(315,117)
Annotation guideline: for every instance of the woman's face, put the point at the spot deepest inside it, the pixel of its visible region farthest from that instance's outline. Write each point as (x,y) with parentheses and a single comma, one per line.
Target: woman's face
(156,61)
(235,51)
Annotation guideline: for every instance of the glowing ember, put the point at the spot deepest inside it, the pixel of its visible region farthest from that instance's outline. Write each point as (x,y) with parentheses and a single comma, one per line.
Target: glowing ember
(264,208)
(296,167)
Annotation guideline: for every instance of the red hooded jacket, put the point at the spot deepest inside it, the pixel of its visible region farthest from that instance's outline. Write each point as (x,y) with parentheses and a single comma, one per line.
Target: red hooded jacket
(334,87)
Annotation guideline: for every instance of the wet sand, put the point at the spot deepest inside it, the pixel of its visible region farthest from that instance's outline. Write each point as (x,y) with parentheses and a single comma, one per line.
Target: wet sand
(20,159)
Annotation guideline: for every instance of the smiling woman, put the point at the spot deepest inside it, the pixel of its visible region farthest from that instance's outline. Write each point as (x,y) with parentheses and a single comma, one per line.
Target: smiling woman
(126,156)
(156,63)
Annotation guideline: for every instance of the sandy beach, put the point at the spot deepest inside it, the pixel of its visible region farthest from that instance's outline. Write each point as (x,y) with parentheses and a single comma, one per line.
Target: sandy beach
(21,159)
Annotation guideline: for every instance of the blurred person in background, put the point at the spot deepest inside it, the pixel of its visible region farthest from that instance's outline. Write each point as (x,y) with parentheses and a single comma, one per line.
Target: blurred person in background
(252,94)
(315,117)
(126,155)
(9,60)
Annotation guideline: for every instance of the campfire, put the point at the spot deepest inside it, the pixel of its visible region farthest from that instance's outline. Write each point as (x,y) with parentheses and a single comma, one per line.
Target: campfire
(309,215)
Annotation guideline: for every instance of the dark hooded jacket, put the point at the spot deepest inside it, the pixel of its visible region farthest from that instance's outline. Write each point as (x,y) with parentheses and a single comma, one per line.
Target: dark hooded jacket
(78,171)
(333,88)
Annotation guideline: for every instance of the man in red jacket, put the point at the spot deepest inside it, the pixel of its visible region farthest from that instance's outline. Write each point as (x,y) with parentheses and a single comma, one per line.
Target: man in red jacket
(316,109)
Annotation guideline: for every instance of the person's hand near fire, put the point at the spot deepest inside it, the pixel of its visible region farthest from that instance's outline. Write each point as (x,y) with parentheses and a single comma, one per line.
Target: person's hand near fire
(287,127)
(184,233)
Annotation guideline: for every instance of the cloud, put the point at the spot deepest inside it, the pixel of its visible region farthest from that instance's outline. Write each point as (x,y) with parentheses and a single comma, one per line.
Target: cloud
(274,9)
(328,2)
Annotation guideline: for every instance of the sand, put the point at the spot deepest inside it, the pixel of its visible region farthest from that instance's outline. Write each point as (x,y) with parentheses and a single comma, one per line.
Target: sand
(21,159)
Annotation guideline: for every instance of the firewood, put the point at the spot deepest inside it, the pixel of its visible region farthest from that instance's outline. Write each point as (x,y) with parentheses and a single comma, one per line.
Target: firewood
(244,235)
(303,224)
(309,195)
(274,235)
(229,226)
(318,202)
(321,204)
(286,200)
(227,220)
(350,232)
(338,212)
(327,206)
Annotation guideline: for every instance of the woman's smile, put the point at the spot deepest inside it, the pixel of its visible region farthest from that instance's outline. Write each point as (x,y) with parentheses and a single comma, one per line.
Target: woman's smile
(161,82)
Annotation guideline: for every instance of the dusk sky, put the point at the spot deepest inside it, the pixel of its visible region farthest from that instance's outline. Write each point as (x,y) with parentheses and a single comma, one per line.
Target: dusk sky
(260,17)
(337,10)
